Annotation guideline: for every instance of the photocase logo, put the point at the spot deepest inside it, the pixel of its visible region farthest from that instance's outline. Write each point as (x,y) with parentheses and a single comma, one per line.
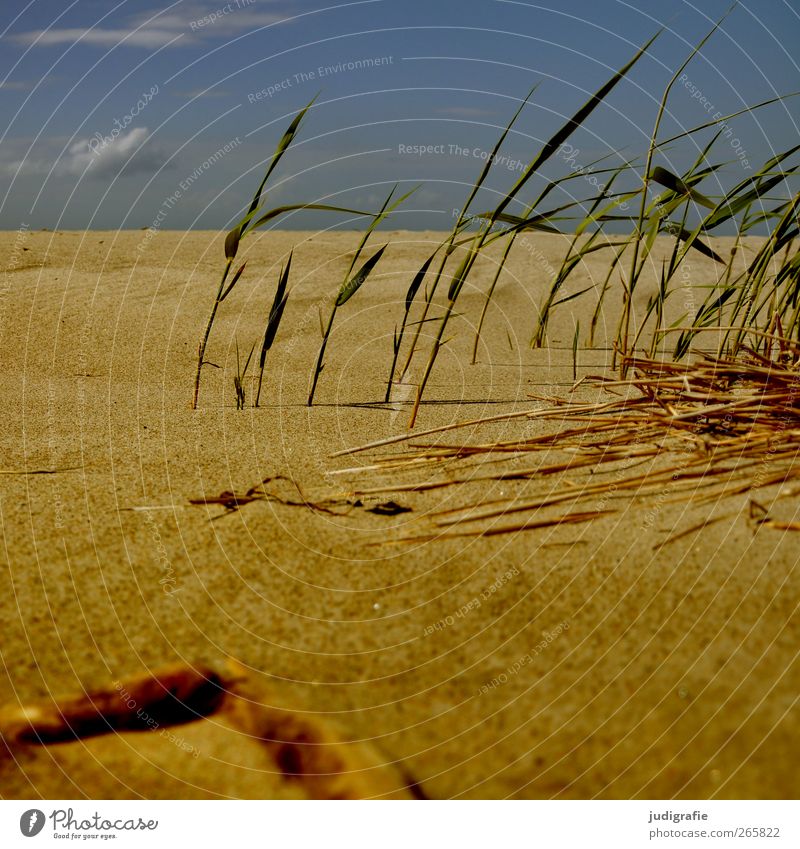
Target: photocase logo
(31,822)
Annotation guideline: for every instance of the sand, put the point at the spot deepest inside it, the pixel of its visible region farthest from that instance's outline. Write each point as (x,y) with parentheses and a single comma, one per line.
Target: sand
(570,662)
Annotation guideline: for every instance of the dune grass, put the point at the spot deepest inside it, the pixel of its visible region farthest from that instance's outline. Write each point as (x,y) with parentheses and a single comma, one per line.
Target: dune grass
(751,296)
(239,377)
(255,218)
(547,151)
(353,282)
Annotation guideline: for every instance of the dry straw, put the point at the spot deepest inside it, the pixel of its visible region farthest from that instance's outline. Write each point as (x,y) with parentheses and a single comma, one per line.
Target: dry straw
(686,432)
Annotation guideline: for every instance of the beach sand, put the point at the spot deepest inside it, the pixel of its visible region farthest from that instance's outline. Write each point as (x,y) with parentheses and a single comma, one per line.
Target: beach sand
(571,662)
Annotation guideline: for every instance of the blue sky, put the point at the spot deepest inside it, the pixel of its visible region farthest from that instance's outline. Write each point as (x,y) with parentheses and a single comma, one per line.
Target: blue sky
(112,108)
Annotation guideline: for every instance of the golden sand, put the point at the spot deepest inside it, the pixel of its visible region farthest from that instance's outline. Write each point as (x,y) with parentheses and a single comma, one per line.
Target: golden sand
(574,661)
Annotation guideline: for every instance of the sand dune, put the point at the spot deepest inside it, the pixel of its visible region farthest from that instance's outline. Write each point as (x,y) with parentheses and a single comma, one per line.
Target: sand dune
(573,661)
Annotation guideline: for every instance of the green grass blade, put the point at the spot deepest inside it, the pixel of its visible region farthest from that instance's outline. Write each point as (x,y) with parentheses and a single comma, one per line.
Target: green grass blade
(418,279)
(730,209)
(491,158)
(575,351)
(357,280)
(673,183)
(276,310)
(685,236)
(533,222)
(726,118)
(294,207)
(283,146)
(235,235)
(463,271)
(557,140)
(232,283)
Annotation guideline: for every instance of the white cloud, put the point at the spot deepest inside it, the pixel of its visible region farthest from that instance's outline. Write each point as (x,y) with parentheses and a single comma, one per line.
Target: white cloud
(102,157)
(189,23)
(15,85)
(106,156)
(104,37)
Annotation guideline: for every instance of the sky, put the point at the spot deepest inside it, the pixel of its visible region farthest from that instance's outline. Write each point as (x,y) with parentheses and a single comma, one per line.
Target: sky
(128,115)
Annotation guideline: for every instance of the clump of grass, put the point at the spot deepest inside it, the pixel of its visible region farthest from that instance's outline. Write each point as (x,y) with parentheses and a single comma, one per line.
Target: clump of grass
(748,298)
(747,295)
(754,292)
(579,248)
(750,294)
(462,222)
(411,294)
(480,239)
(636,268)
(347,290)
(353,282)
(531,221)
(239,377)
(253,219)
